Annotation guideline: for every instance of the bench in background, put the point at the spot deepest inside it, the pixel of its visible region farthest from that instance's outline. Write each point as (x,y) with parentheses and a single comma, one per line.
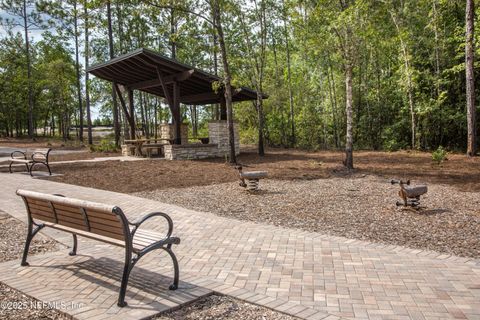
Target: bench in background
(38,157)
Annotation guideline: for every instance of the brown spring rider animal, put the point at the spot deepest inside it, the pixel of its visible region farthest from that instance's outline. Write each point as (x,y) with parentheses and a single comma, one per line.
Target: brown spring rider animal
(250,179)
(409,194)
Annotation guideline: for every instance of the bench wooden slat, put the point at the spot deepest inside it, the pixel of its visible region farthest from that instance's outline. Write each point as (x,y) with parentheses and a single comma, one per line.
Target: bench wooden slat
(99,207)
(42,217)
(87,234)
(45,207)
(107,234)
(102,223)
(137,245)
(107,216)
(79,222)
(105,222)
(20,160)
(93,220)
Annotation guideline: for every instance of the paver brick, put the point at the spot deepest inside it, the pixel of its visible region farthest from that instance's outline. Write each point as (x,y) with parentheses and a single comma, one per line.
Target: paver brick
(280,268)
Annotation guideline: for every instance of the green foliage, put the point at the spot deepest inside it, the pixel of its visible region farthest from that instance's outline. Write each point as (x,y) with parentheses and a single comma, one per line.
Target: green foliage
(392,140)
(439,155)
(105,145)
(249,136)
(397,49)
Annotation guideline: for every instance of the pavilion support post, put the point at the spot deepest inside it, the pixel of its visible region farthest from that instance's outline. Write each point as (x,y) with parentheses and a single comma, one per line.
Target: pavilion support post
(128,115)
(223,108)
(132,113)
(176,113)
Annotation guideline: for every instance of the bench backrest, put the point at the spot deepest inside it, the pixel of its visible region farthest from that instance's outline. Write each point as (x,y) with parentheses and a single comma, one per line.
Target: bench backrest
(101,219)
(40,155)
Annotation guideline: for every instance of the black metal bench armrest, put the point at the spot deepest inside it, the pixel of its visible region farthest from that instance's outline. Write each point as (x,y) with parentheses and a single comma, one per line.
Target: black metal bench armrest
(24,154)
(162,243)
(139,222)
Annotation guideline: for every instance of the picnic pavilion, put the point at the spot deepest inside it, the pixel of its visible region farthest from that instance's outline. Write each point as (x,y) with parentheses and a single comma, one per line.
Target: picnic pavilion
(177,83)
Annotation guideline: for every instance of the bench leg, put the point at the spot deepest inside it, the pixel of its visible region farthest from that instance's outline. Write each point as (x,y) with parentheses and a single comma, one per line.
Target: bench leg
(31,233)
(74,249)
(45,164)
(129,263)
(48,167)
(176,270)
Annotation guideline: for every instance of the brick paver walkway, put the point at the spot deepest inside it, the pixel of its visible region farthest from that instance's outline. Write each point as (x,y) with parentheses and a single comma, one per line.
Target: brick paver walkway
(306,274)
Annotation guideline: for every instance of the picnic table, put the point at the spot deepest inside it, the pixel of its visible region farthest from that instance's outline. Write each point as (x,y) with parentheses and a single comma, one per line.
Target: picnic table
(139,143)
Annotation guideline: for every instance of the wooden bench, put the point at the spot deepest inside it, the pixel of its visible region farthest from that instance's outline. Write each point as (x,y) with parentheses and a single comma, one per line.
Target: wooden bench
(38,157)
(102,222)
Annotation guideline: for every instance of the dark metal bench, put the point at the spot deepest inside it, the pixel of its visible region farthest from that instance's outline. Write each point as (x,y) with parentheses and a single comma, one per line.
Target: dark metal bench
(38,157)
(100,222)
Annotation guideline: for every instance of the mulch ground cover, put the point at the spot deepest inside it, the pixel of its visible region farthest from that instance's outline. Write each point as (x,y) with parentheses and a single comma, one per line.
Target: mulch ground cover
(128,177)
(362,207)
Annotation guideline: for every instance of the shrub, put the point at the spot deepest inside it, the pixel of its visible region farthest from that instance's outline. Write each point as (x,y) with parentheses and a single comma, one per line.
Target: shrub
(439,155)
(104,146)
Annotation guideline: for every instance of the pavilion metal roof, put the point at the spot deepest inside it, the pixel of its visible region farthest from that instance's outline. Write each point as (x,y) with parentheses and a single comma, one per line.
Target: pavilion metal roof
(138,70)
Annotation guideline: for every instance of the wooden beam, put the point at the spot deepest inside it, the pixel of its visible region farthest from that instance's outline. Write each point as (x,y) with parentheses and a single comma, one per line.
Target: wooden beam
(164,86)
(152,63)
(194,98)
(206,96)
(132,113)
(176,113)
(130,119)
(181,76)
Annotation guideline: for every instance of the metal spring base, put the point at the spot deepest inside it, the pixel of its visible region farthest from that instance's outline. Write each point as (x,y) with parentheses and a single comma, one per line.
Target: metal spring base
(252,184)
(414,203)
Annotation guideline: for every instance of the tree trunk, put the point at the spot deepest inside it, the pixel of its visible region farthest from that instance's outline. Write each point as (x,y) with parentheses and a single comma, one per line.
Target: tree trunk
(87,88)
(155,119)
(290,91)
(29,72)
(116,124)
(470,78)
(333,102)
(349,113)
(77,67)
(143,116)
(215,66)
(261,125)
(172,34)
(227,79)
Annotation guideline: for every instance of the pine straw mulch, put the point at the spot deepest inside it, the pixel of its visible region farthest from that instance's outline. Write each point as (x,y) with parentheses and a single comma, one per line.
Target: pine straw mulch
(281,164)
(359,206)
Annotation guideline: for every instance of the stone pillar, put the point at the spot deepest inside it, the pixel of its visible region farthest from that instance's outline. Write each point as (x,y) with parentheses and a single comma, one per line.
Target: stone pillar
(218,134)
(167,131)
